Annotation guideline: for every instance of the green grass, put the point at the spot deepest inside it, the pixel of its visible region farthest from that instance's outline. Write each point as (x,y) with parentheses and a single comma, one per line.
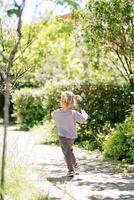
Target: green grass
(44,198)
(46,133)
(18,185)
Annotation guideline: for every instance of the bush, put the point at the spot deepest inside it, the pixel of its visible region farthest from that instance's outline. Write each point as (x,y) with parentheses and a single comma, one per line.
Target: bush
(104,103)
(120,144)
(28,107)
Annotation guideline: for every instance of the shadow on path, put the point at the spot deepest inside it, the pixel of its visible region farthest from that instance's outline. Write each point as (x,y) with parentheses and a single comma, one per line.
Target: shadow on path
(98,179)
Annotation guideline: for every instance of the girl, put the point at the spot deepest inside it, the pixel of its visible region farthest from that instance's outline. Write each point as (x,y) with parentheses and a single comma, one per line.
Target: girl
(65,119)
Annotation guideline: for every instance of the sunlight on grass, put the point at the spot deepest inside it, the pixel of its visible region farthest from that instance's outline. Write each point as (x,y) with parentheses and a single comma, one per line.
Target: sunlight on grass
(18,185)
(46,132)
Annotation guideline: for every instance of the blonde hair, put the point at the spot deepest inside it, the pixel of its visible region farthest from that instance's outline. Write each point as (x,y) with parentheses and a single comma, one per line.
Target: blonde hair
(69,98)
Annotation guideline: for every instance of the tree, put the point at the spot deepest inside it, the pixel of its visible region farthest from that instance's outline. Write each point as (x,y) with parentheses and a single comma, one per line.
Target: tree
(54,54)
(109,25)
(9,45)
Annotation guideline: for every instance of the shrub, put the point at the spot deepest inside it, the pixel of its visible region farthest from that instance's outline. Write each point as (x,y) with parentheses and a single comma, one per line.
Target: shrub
(120,144)
(28,107)
(106,104)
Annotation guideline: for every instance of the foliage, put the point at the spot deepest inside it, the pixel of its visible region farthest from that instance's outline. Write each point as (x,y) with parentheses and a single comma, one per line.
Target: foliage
(28,107)
(102,101)
(106,104)
(120,144)
(59,53)
(109,25)
(15,44)
(9,45)
(52,54)
(71,3)
(42,197)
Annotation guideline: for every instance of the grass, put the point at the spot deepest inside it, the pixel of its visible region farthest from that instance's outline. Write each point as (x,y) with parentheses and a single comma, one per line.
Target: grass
(18,185)
(46,133)
(44,198)
(18,177)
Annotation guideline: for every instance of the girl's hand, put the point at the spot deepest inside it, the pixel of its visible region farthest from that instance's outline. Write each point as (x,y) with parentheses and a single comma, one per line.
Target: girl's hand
(84,113)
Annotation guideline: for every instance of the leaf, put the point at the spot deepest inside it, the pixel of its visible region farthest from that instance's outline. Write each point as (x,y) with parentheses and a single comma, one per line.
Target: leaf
(71,3)
(1,58)
(13,11)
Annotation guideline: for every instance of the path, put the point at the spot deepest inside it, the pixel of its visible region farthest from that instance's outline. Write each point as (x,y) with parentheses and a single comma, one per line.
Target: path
(98,179)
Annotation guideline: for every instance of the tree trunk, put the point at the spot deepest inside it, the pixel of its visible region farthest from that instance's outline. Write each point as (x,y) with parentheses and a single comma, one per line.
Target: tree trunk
(6,121)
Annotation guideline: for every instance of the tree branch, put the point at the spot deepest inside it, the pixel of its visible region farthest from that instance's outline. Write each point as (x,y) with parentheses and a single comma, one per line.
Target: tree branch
(128,64)
(125,57)
(122,62)
(15,48)
(19,74)
(119,70)
(23,50)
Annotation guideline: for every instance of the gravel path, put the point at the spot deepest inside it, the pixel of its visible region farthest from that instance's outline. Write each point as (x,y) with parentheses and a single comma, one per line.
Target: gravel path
(97,180)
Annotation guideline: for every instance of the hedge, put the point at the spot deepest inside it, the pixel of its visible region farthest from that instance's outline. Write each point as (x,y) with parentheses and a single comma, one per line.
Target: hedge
(28,107)
(106,104)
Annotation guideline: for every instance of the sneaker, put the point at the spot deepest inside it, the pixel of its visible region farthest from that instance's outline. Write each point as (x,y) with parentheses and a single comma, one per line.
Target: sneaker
(76,167)
(71,174)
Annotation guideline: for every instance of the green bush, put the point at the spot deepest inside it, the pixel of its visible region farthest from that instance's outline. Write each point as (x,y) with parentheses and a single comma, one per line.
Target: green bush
(104,103)
(28,107)
(120,144)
